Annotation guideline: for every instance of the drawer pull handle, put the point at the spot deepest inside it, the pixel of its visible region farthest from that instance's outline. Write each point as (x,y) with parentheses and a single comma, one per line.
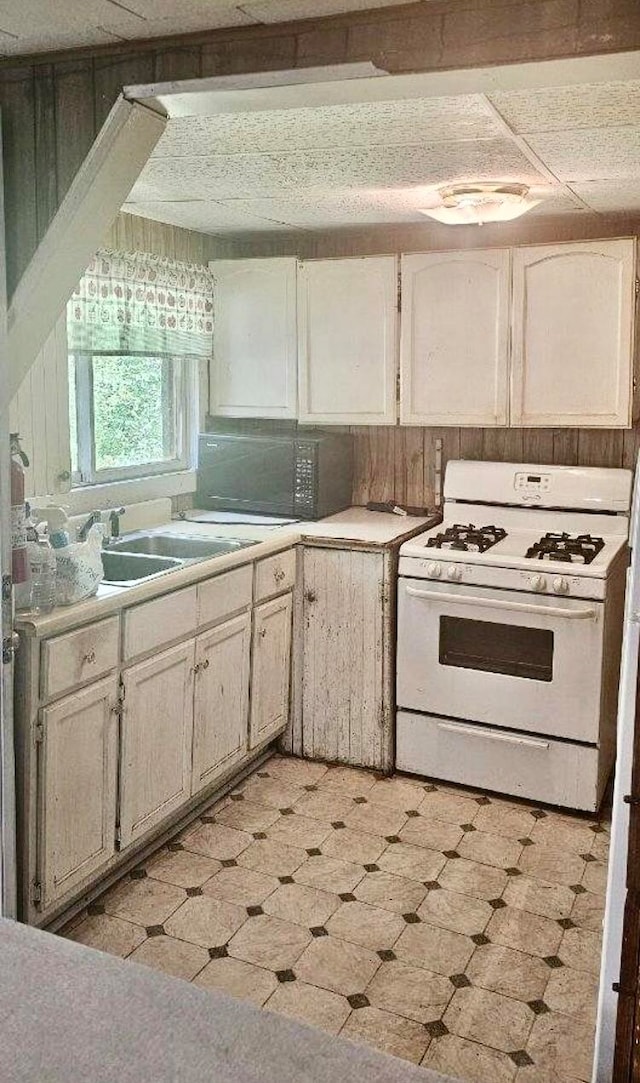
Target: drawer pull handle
(279,575)
(262,633)
(506,738)
(201,665)
(89,658)
(311,596)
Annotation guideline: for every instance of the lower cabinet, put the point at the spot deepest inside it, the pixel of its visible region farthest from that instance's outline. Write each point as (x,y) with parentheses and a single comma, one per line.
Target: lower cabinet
(77,787)
(157,729)
(270,668)
(221,699)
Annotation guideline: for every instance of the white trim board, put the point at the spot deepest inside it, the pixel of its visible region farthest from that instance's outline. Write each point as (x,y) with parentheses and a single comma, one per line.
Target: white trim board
(97,193)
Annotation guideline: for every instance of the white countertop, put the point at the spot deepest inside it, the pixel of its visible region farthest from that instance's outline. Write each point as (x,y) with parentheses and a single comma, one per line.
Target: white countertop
(356,524)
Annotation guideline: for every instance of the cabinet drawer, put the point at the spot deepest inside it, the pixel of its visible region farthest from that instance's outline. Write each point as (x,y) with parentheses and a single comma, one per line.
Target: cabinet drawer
(226,594)
(78,656)
(275,575)
(165,619)
(538,768)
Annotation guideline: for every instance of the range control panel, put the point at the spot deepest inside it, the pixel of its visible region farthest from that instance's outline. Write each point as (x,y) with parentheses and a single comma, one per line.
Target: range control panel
(532,486)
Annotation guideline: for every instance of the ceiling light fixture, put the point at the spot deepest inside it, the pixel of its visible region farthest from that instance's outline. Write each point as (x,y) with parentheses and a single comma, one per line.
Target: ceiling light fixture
(471,203)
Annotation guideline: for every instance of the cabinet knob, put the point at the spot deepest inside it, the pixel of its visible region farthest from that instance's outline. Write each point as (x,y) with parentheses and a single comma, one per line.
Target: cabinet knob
(262,633)
(311,596)
(89,658)
(279,575)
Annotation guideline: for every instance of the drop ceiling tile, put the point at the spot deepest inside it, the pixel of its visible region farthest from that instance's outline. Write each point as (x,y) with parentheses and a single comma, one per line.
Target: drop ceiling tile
(590,154)
(275,11)
(591,105)
(203,216)
(372,123)
(610,197)
(160,17)
(39,21)
(246,175)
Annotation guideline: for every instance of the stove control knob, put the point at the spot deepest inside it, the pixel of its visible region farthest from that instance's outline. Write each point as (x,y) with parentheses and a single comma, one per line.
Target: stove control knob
(560,585)
(538,582)
(434,570)
(454,573)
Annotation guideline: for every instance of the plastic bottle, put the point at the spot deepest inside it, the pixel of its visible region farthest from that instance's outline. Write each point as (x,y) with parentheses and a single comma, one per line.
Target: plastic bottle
(42,566)
(57,521)
(19,556)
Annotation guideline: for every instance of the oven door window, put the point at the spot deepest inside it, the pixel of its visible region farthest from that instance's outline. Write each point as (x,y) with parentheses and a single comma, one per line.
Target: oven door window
(496,648)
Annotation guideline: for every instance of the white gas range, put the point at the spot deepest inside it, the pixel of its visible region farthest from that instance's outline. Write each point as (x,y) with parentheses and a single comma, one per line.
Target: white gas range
(509,631)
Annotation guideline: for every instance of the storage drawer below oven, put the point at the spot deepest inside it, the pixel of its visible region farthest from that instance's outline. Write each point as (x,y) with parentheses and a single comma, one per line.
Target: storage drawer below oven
(538,768)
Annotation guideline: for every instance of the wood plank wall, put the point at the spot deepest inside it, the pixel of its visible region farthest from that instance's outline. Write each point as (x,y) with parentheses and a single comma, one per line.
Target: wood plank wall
(53,105)
(130,233)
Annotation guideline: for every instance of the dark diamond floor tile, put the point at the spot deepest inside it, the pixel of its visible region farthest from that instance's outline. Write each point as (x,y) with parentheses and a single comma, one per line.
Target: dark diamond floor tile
(526,842)
(412,812)
(346,896)
(411,919)
(318,930)
(538,1007)
(237,796)
(432,885)
(285,975)
(218,953)
(468,827)
(577,889)
(371,868)
(360,800)
(597,829)
(497,904)
(286,811)
(452,854)
(286,879)
(521,1058)
(192,891)
(480,939)
(460,981)
(175,847)
(358,1000)
(254,911)
(95,908)
(392,838)
(259,834)
(437,1029)
(566,923)
(538,814)
(263,774)
(429,788)
(513,871)
(138,874)
(228,862)
(387,955)
(310,789)
(482,800)
(553,961)
(588,857)
(208,819)
(155,930)
(313,851)
(338,825)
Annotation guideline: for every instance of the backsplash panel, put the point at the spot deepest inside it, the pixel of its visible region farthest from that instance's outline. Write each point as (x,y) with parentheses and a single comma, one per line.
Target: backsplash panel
(399,463)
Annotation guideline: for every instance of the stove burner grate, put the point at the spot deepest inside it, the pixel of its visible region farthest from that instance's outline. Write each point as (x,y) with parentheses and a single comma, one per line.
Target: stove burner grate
(570,548)
(469,538)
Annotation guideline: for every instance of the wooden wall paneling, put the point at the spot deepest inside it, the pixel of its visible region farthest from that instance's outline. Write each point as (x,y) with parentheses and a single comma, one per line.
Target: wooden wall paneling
(176,64)
(17,113)
(537,446)
(130,233)
(471,443)
(111,75)
(630,447)
(600,447)
(75,119)
(45,147)
(268,52)
(374,474)
(502,445)
(565,446)
(409,482)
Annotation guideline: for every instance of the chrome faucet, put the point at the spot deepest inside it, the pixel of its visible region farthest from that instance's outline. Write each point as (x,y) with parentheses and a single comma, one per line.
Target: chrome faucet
(114,522)
(82,531)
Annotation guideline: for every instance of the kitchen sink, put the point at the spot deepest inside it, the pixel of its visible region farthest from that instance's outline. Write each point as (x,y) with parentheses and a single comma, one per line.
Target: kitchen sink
(129,569)
(184,548)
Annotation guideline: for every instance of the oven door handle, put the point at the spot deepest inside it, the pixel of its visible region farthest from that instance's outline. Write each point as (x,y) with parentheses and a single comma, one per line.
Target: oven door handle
(497,603)
(507,738)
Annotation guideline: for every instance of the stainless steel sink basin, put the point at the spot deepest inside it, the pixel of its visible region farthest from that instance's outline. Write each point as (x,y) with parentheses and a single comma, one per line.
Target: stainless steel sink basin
(184,548)
(129,569)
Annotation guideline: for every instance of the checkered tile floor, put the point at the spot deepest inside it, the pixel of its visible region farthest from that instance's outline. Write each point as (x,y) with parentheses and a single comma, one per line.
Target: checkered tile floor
(458,930)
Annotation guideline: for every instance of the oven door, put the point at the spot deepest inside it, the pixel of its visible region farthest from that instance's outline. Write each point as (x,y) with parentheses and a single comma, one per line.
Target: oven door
(507,658)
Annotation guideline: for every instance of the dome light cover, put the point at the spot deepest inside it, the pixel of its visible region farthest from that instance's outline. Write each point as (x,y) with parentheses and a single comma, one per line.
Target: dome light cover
(476,203)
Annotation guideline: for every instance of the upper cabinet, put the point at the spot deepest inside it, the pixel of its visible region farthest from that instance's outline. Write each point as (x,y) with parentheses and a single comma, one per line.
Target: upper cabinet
(454,353)
(347,341)
(254,370)
(572,334)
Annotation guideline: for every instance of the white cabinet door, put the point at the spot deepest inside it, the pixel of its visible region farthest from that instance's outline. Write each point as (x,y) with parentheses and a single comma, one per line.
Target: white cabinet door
(157,735)
(573,333)
(77,788)
(454,350)
(270,668)
(347,342)
(254,339)
(221,699)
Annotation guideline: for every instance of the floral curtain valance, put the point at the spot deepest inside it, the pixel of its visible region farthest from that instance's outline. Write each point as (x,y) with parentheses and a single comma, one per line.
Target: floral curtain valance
(134,301)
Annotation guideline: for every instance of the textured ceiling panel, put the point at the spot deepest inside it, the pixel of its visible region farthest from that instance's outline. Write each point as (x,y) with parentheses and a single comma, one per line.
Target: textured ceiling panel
(205,217)
(610,197)
(594,105)
(590,154)
(371,167)
(276,11)
(427,120)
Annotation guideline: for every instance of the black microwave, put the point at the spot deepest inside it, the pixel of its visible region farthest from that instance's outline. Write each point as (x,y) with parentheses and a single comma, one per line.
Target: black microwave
(303,474)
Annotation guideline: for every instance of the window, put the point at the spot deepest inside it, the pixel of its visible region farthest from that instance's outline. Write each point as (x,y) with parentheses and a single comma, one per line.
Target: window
(130,414)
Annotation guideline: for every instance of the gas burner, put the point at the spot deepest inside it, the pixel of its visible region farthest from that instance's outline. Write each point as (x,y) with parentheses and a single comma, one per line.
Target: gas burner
(571,548)
(471,539)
